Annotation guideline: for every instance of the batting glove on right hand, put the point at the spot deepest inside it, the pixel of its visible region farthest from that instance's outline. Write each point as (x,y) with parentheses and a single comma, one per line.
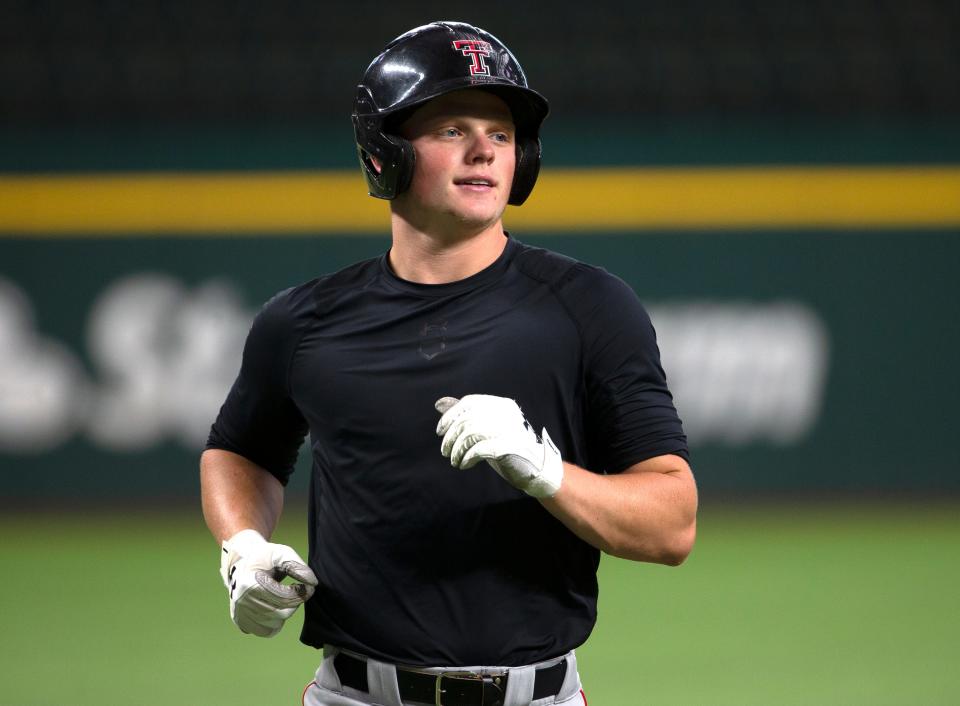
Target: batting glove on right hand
(252,569)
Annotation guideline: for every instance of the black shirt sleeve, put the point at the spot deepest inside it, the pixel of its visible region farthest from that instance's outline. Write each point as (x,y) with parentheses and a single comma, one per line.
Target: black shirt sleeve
(630,412)
(259,420)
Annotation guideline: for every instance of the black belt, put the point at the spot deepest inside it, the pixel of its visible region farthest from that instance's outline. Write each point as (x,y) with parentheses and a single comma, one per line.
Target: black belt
(451,688)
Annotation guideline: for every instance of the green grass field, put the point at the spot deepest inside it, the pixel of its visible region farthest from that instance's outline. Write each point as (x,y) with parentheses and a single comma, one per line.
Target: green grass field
(779,604)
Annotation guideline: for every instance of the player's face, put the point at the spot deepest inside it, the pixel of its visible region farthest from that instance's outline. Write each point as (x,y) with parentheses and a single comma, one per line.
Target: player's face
(466,156)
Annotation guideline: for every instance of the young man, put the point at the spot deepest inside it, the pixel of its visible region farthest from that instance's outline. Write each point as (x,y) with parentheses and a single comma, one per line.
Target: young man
(452,550)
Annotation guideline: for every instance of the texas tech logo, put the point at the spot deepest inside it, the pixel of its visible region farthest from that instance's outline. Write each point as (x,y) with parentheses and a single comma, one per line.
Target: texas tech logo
(477,50)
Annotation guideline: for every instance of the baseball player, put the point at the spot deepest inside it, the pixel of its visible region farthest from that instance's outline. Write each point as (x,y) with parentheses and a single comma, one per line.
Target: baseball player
(485,417)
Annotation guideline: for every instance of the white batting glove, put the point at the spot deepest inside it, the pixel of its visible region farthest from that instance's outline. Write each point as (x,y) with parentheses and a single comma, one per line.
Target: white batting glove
(493,429)
(252,569)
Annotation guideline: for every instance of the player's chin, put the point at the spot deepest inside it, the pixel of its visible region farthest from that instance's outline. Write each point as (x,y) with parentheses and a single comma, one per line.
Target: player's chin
(480,212)
(477,221)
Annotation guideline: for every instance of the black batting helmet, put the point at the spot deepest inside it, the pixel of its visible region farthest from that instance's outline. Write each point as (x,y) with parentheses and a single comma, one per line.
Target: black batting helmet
(427,62)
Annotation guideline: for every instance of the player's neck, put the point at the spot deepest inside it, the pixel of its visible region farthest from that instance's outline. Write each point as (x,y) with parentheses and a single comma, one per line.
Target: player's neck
(426,258)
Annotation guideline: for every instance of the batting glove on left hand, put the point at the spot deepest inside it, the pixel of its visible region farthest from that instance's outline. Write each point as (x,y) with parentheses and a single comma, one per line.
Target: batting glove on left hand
(252,569)
(493,429)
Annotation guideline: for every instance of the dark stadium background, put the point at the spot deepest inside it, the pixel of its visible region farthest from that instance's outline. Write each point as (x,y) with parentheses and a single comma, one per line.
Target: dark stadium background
(804,288)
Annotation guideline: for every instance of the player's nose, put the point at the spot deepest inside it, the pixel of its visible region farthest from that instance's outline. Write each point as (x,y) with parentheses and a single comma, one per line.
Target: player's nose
(479,149)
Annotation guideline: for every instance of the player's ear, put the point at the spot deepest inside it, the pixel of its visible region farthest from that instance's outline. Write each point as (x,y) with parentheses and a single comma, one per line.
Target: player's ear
(376,164)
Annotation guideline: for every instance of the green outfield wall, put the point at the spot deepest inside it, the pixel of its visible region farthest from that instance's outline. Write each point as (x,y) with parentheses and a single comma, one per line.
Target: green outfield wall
(800,360)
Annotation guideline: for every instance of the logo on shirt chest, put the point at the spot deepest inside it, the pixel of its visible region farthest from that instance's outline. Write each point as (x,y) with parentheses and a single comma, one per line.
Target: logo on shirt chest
(433,339)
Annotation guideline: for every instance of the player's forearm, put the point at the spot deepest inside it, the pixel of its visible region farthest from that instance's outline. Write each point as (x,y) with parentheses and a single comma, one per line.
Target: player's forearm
(238,494)
(643,516)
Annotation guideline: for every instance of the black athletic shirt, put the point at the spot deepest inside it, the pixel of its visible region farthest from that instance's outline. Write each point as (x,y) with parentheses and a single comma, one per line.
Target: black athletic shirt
(420,563)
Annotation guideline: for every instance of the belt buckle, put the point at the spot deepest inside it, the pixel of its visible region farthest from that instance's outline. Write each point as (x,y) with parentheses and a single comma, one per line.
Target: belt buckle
(438,693)
(466,676)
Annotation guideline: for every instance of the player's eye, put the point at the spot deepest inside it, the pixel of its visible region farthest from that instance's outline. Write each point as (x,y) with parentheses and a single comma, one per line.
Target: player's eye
(450,132)
(501,137)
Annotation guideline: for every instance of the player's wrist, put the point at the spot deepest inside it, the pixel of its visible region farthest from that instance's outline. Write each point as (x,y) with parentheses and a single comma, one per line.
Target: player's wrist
(243,540)
(547,482)
(244,544)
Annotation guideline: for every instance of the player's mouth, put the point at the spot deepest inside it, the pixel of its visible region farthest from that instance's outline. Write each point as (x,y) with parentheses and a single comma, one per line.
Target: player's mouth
(477,184)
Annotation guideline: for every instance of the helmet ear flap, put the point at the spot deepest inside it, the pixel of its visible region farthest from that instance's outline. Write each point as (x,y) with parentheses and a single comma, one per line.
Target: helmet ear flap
(389,171)
(387,160)
(527,169)
(405,165)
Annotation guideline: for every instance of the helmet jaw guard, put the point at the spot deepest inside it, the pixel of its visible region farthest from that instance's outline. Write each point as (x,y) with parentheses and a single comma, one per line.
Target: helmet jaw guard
(428,62)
